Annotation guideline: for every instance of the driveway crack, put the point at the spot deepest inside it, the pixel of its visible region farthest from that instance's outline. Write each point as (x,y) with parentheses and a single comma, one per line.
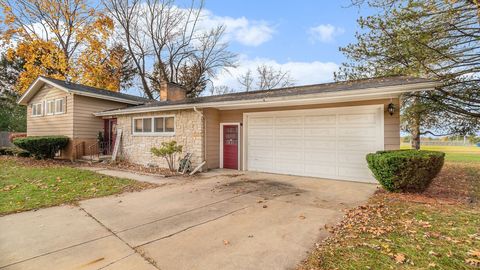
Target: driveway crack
(191,227)
(146,258)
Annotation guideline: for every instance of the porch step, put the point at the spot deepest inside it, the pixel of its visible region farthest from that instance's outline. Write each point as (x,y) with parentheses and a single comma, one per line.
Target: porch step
(94,159)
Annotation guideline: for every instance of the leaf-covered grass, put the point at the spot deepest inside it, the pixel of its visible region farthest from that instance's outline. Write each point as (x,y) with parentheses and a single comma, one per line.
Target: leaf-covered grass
(464,154)
(26,184)
(409,231)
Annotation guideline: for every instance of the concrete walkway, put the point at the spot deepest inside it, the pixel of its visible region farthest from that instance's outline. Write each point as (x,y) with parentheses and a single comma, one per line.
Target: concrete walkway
(132,175)
(224,221)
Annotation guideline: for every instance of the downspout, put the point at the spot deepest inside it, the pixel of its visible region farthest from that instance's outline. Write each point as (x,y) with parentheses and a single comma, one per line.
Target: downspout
(204,123)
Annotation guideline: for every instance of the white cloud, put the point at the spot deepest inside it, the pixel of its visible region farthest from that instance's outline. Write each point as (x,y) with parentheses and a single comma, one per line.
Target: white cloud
(242,30)
(302,73)
(324,32)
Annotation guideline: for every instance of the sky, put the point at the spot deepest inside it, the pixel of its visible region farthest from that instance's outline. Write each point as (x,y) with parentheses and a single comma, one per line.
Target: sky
(301,37)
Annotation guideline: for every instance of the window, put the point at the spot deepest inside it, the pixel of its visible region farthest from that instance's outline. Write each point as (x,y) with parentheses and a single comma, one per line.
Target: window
(59,106)
(147,124)
(154,125)
(37,109)
(50,107)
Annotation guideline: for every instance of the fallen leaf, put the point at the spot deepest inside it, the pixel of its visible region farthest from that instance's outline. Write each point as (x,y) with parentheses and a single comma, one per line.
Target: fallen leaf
(473,262)
(399,258)
(474,253)
(301,216)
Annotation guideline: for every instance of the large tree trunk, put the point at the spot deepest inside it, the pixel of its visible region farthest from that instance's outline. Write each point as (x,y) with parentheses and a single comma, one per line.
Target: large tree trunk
(416,133)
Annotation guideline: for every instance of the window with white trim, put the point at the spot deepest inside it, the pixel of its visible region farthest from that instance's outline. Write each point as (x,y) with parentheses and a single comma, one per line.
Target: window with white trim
(50,107)
(59,106)
(161,125)
(37,109)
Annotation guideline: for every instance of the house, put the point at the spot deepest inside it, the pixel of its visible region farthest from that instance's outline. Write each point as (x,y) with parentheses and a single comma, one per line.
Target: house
(322,130)
(56,107)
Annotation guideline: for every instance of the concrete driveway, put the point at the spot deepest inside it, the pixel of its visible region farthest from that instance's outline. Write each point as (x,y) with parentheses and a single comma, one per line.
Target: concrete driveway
(220,220)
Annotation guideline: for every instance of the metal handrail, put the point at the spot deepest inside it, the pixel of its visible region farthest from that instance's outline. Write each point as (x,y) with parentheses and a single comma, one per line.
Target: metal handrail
(98,148)
(77,151)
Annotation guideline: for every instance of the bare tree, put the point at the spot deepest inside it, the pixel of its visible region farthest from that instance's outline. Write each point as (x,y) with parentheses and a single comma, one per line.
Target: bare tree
(159,31)
(266,78)
(221,90)
(246,80)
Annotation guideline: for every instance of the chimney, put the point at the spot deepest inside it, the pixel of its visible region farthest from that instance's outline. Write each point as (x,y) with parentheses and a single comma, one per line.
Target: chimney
(172,92)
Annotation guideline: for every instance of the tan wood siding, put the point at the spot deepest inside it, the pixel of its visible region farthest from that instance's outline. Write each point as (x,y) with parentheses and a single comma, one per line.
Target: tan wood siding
(57,124)
(212,134)
(85,124)
(391,122)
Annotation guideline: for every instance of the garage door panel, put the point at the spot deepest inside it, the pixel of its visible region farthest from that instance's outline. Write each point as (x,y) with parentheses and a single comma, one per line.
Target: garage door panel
(362,132)
(311,143)
(256,164)
(289,167)
(291,132)
(289,121)
(358,173)
(286,143)
(261,121)
(319,132)
(260,142)
(352,158)
(317,157)
(361,146)
(370,118)
(260,153)
(289,155)
(320,120)
(260,132)
(320,170)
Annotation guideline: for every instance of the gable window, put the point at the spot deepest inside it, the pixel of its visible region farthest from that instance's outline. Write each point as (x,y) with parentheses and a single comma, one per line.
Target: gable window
(164,125)
(50,107)
(37,109)
(59,106)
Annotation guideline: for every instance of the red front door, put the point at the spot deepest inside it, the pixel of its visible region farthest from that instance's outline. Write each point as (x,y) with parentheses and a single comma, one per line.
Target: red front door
(230,147)
(110,134)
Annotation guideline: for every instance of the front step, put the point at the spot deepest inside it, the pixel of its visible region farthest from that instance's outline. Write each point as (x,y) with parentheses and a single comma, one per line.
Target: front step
(94,159)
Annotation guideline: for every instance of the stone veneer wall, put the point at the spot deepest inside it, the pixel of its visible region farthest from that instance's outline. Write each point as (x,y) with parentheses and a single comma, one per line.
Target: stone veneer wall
(188,132)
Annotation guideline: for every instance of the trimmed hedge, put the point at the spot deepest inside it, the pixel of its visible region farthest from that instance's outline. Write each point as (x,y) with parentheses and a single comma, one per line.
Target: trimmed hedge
(13,151)
(42,147)
(405,170)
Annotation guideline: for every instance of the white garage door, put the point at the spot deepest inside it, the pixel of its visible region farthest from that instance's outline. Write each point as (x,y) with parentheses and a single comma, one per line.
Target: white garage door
(329,143)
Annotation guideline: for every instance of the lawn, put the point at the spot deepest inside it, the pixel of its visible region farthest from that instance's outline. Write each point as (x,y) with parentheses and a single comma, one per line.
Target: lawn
(454,153)
(439,229)
(27,184)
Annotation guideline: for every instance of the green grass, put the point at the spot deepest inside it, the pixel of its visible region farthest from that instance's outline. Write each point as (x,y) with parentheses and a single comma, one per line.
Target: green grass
(25,186)
(465,154)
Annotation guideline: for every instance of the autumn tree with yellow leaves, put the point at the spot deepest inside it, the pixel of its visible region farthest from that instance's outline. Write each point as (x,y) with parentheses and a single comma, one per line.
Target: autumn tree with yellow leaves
(63,39)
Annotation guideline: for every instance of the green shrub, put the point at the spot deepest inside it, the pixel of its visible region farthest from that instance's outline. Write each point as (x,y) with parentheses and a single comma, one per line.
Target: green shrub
(13,151)
(168,150)
(405,170)
(42,147)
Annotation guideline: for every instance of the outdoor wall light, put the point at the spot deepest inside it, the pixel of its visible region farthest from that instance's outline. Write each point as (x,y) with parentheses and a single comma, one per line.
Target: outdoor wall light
(391,108)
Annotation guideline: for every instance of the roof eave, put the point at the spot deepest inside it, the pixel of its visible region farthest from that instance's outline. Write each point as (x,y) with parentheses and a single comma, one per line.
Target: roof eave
(25,98)
(325,97)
